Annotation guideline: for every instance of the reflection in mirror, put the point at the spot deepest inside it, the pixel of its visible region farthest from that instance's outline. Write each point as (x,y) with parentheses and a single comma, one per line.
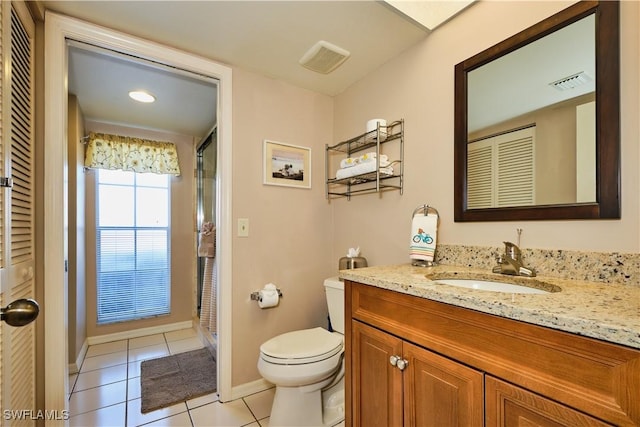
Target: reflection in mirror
(524,111)
(537,122)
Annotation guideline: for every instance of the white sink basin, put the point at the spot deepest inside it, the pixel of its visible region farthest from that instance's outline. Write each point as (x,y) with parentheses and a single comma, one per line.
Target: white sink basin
(485,285)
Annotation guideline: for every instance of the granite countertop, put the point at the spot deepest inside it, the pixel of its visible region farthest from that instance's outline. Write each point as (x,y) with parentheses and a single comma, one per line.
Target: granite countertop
(609,312)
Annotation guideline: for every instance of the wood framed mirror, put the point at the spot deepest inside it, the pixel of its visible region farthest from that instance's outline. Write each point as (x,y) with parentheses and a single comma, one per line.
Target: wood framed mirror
(587,185)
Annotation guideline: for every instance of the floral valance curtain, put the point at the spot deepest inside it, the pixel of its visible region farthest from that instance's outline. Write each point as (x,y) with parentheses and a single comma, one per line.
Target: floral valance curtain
(106,151)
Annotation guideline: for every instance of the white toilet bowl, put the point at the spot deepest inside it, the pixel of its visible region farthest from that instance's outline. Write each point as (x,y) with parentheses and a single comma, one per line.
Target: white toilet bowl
(307,369)
(302,364)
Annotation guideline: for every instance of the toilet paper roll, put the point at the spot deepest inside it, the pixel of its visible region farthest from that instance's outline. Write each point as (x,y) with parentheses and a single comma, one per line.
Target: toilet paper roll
(268,299)
(268,296)
(373,125)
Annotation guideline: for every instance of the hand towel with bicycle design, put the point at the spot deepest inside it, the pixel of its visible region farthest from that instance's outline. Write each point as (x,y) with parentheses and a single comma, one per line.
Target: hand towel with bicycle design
(424,230)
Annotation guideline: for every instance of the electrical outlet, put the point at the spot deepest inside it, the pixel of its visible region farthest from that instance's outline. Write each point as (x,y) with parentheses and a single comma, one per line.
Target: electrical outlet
(243,227)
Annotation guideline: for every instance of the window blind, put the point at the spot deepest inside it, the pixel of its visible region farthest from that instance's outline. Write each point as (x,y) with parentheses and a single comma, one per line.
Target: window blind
(133,246)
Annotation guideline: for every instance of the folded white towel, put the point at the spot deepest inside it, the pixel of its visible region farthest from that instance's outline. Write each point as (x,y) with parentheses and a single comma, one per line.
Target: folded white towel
(363,168)
(370,157)
(348,162)
(424,230)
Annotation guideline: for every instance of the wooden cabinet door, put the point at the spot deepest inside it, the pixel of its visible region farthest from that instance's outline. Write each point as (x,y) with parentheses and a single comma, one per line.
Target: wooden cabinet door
(440,392)
(512,406)
(376,384)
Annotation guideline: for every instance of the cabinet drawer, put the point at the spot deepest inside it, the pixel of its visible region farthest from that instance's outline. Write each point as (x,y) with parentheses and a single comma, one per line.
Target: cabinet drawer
(596,377)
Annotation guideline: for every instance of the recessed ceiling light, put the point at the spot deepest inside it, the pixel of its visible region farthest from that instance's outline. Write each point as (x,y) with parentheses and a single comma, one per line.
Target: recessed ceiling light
(141,96)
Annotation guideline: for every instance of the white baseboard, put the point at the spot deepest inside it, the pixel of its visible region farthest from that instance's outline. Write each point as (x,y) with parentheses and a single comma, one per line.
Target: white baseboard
(74,367)
(253,387)
(135,333)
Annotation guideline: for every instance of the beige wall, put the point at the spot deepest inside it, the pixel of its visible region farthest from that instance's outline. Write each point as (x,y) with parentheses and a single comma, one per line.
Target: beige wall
(418,86)
(183,249)
(290,229)
(77,250)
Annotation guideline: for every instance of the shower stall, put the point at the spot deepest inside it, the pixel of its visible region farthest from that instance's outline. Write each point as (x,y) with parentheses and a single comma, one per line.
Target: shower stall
(206,158)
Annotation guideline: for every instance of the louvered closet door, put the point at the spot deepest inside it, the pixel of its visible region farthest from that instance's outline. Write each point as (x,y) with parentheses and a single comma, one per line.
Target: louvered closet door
(501,170)
(480,173)
(17,362)
(516,169)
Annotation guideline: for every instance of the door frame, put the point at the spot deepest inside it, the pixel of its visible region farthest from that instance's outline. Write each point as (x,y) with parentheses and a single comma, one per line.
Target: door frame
(59,28)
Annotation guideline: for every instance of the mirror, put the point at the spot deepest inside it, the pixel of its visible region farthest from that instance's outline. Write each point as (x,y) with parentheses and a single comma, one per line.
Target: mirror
(524,148)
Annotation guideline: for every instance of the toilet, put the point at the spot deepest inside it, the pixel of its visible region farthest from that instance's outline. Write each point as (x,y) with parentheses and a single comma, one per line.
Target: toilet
(307,369)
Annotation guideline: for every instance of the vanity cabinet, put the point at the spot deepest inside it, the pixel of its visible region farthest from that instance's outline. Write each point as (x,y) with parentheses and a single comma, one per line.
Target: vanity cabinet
(466,368)
(403,384)
(359,179)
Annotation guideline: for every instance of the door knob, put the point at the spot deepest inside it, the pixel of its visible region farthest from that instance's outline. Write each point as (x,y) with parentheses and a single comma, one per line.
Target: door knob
(20,312)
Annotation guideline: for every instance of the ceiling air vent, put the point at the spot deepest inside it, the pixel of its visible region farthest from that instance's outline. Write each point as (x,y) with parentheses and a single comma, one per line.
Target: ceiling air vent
(324,57)
(571,81)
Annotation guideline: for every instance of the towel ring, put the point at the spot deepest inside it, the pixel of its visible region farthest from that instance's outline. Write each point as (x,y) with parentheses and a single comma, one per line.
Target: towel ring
(425,209)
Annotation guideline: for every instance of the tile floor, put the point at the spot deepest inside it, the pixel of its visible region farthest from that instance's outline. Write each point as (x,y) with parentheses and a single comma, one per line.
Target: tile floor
(106,391)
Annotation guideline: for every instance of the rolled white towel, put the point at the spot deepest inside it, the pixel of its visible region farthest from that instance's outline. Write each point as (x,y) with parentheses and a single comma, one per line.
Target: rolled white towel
(362,168)
(349,162)
(386,170)
(370,157)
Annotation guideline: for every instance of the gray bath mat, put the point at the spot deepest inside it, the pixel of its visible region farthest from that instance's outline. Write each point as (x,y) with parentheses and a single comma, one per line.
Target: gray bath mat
(173,379)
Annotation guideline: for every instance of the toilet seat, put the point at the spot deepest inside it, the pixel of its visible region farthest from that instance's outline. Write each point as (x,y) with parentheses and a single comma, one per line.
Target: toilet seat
(301,347)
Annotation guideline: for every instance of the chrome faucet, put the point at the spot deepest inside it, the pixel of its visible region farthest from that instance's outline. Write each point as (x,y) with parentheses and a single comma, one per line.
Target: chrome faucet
(511,262)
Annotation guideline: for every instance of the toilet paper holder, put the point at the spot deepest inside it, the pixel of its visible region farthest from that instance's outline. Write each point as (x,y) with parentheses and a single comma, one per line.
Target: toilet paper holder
(255,296)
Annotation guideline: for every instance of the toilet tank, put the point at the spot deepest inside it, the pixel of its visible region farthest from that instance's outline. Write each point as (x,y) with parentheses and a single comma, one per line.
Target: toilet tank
(334,289)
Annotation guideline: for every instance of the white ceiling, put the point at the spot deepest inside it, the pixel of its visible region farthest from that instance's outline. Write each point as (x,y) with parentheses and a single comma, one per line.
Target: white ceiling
(267,37)
(185,103)
(519,82)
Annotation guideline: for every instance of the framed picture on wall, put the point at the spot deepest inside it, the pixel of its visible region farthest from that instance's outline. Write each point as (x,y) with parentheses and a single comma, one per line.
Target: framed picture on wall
(287,165)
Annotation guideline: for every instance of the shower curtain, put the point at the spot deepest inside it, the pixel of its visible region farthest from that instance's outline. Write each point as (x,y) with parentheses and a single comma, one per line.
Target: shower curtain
(207,249)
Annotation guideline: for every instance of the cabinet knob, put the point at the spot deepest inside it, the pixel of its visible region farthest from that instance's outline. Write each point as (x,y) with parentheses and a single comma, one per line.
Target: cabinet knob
(398,362)
(402,364)
(394,360)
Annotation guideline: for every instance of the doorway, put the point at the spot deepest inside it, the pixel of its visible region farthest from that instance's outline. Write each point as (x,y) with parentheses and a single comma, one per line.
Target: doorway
(183,112)
(58,30)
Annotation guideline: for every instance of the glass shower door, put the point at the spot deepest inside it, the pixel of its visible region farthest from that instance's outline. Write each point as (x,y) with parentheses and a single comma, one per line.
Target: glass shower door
(206,197)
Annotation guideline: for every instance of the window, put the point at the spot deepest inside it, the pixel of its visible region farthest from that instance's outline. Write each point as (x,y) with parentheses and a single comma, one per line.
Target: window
(133,245)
